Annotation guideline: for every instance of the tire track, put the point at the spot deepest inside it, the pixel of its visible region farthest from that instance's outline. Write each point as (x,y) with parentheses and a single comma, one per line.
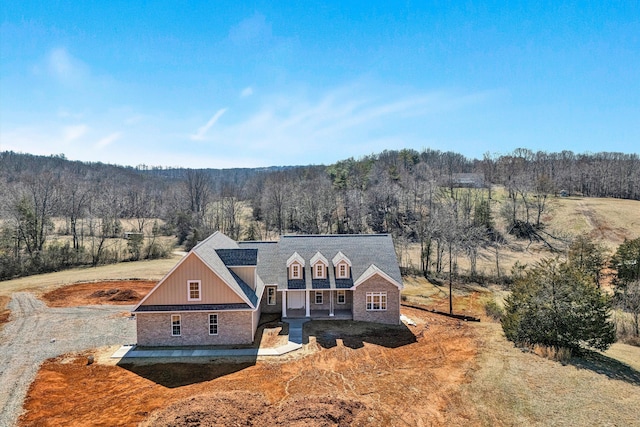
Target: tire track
(36,332)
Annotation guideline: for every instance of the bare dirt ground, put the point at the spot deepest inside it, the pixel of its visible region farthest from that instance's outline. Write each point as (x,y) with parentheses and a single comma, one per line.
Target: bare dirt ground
(36,332)
(350,373)
(114,292)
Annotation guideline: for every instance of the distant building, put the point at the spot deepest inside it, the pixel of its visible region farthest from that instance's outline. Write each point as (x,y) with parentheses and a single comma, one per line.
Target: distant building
(465,180)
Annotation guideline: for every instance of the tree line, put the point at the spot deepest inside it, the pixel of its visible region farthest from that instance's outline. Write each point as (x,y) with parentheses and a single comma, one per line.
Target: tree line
(441,201)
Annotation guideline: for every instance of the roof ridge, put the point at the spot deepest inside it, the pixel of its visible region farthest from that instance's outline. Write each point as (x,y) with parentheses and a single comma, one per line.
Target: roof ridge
(335,235)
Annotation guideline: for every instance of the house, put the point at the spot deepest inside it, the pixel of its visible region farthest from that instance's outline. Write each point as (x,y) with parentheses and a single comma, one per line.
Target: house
(217,292)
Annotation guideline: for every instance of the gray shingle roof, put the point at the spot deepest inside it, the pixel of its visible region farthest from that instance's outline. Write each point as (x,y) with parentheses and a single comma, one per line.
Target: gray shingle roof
(296,284)
(363,250)
(250,293)
(268,259)
(320,283)
(238,257)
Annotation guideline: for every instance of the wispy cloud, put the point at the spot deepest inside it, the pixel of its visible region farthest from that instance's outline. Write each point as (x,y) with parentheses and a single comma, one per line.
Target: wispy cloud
(247,91)
(108,140)
(251,31)
(64,66)
(342,122)
(200,134)
(72,133)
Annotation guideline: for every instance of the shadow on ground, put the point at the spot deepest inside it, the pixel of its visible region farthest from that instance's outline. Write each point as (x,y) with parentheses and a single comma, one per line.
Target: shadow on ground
(608,366)
(172,375)
(355,334)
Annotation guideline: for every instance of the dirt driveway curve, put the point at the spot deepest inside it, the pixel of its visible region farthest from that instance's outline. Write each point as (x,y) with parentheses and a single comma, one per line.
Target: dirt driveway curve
(36,332)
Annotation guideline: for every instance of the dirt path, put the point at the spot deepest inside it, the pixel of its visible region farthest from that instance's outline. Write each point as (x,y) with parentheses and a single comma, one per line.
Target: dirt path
(600,230)
(35,333)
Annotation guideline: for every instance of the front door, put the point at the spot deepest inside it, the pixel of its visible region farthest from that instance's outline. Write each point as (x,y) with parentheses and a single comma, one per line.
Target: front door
(295,300)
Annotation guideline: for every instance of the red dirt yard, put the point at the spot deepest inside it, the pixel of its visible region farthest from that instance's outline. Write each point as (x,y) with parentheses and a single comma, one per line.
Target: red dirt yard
(117,292)
(350,373)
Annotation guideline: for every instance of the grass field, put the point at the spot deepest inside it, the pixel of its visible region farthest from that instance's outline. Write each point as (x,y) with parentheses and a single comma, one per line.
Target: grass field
(145,270)
(607,221)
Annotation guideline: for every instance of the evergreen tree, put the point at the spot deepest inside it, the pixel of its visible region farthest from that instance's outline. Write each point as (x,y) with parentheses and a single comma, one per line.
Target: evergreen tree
(558,305)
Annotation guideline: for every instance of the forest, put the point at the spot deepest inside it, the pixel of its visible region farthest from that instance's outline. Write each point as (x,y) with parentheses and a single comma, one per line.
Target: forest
(56,213)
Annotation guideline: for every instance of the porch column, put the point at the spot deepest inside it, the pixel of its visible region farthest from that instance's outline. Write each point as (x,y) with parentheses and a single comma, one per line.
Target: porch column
(284,303)
(331,303)
(308,304)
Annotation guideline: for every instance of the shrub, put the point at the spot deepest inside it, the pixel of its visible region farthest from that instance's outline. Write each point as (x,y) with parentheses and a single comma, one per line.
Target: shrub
(493,310)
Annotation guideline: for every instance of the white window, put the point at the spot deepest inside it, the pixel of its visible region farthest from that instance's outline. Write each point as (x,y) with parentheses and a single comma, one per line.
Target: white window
(193,290)
(319,297)
(271,295)
(376,301)
(343,272)
(176,325)
(342,297)
(319,271)
(296,271)
(213,324)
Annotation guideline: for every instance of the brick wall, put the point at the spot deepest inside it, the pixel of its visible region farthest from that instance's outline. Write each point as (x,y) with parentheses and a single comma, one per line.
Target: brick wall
(377,284)
(234,327)
(326,300)
(265,308)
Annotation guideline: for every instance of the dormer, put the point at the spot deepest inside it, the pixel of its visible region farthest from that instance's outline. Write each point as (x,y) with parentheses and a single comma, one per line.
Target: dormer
(342,266)
(295,265)
(319,266)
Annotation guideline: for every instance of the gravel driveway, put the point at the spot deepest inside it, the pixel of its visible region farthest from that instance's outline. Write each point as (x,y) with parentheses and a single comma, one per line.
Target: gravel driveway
(27,341)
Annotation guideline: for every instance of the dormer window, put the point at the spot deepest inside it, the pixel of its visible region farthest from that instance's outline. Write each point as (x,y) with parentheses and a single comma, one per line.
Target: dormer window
(342,265)
(319,271)
(295,264)
(295,271)
(319,266)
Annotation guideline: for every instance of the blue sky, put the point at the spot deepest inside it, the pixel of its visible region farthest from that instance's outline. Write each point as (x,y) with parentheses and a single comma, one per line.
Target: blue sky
(221,84)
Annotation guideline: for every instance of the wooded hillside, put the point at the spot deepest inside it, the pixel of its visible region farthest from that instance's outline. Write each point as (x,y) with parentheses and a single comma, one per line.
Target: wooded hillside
(441,201)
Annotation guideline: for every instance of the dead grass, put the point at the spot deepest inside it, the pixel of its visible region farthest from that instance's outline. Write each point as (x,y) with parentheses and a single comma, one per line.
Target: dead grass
(468,298)
(513,387)
(608,221)
(4,311)
(625,353)
(144,270)
(558,354)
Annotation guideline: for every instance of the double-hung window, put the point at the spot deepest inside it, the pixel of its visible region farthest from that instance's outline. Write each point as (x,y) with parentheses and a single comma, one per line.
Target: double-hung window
(193,290)
(342,297)
(271,295)
(213,324)
(342,271)
(295,271)
(176,325)
(376,301)
(319,296)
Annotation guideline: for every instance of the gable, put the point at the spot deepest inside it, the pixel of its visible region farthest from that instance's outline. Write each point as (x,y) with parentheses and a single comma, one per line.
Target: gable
(374,271)
(173,288)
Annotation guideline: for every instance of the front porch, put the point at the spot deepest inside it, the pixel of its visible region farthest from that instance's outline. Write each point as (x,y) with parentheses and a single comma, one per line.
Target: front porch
(317,304)
(301,313)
